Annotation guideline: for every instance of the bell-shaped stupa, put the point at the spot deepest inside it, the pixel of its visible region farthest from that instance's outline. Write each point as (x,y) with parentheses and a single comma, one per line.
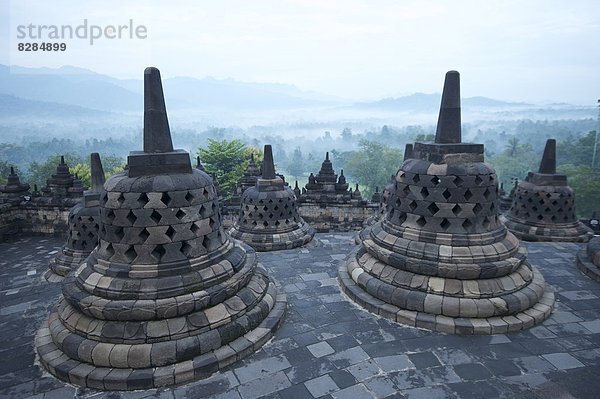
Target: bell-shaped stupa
(167,296)
(84,223)
(13,190)
(440,259)
(269,219)
(543,207)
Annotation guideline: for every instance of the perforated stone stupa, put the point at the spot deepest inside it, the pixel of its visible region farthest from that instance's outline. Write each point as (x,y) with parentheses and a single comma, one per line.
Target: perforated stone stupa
(543,207)
(269,218)
(166,297)
(84,222)
(441,259)
(326,187)
(63,183)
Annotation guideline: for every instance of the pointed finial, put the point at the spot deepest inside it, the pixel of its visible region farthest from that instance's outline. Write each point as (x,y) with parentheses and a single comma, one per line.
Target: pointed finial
(448,127)
(296,186)
(268,171)
(327,156)
(252,157)
(356,189)
(157,135)
(408,151)
(77,177)
(341,172)
(35,187)
(98,178)
(62,159)
(376,189)
(548,164)
(12,170)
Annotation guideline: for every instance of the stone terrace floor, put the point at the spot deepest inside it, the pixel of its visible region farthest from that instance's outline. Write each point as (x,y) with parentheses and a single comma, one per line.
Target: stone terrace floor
(327,347)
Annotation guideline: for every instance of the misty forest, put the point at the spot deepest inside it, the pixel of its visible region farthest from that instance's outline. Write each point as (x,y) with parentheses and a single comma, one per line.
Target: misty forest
(225,121)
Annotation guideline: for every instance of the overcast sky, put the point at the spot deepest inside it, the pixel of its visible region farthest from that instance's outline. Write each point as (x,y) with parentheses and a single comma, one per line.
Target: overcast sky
(540,50)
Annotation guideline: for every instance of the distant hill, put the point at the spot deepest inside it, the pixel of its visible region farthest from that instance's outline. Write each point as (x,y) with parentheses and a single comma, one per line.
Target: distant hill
(81,87)
(15,107)
(422,102)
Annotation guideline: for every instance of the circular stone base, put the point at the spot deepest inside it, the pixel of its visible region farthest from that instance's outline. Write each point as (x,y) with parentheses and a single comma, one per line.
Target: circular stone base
(451,325)
(52,277)
(559,232)
(263,242)
(585,265)
(126,379)
(66,261)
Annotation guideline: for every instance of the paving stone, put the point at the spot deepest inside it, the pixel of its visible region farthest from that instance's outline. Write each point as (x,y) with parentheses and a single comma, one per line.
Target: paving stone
(321,386)
(563,361)
(433,392)
(534,364)
(472,371)
(394,363)
(423,360)
(358,391)
(320,349)
(380,386)
(342,378)
(261,368)
(264,386)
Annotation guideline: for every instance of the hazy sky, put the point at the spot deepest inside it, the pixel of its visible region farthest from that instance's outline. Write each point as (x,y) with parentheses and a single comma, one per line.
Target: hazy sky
(540,50)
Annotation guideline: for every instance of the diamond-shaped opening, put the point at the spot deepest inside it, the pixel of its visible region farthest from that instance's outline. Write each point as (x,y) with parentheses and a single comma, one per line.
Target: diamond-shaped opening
(276,208)
(189,197)
(458,181)
(421,221)
(456,209)
(180,214)
(110,250)
(170,232)
(270,216)
(110,215)
(277,223)
(211,223)
(266,224)
(553,218)
(206,243)
(416,178)
(270,201)
(492,207)
(130,254)
(412,205)
(286,206)
(131,217)
(121,199)
(406,190)
(486,193)
(468,194)
(446,194)
(143,199)
(433,208)
(467,224)
(486,223)
(554,202)
(401,217)
(165,198)
(424,192)
(435,180)
(548,195)
(185,248)
(158,252)
(478,180)
(155,216)
(477,208)
(144,235)
(535,208)
(445,224)
(540,217)
(119,233)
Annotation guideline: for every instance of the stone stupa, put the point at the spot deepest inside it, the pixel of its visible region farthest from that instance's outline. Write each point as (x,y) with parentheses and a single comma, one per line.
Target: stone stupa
(167,296)
(440,259)
(84,222)
(268,218)
(13,191)
(543,207)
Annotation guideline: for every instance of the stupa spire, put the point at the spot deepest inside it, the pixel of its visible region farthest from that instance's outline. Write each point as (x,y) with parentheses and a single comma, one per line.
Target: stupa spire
(548,164)
(268,171)
(157,135)
(449,126)
(98,178)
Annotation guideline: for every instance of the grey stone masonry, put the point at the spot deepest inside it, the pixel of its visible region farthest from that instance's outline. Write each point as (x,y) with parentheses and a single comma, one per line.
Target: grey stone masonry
(84,223)
(543,207)
(588,259)
(268,217)
(167,296)
(440,259)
